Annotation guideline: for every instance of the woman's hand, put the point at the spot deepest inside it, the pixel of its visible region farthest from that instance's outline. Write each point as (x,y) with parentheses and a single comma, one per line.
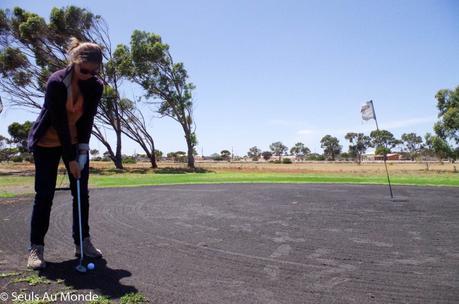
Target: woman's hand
(75,169)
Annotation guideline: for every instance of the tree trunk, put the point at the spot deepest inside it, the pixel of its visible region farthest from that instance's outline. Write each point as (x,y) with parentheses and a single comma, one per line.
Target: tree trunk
(152,158)
(134,127)
(154,165)
(190,150)
(151,154)
(115,158)
(118,157)
(143,142)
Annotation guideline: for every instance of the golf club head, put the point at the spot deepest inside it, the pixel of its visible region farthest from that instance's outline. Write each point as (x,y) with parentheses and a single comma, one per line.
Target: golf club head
(80,268)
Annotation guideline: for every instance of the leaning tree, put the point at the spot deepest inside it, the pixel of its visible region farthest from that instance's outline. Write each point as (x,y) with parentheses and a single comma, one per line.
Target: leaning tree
(148,63)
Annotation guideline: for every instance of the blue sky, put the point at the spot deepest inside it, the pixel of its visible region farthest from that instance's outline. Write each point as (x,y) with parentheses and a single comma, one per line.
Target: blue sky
(289,71)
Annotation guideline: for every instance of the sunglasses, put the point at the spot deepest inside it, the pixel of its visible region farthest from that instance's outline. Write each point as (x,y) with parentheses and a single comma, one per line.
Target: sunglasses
(88,71)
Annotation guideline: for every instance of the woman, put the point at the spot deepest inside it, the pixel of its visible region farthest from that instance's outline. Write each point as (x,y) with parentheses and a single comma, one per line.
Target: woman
(63,129)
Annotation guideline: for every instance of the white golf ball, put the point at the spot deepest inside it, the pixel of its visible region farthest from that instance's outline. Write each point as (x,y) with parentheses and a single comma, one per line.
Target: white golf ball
(91,266)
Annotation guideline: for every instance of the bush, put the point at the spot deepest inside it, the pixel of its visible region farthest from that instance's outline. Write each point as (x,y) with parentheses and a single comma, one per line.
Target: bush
(17,159)
(286,161)
(315,156)
(275,161)
(98,158)
(129,160)
(216,157)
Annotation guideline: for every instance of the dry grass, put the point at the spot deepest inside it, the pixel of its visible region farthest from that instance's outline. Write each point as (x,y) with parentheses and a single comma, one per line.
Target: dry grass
(18,179)
(370,168)
(373,168)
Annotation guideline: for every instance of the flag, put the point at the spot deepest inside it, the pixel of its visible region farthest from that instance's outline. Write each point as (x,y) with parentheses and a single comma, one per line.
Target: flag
(368,111)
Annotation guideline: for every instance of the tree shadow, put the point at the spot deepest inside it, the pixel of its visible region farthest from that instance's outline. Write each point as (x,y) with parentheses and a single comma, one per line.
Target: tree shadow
(18,173)
(103,280)
(165,170)
(172,170)
(93,170)
(140,170)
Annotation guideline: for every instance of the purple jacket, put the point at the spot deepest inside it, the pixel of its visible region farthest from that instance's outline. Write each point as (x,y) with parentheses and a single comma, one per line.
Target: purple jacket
(54,112)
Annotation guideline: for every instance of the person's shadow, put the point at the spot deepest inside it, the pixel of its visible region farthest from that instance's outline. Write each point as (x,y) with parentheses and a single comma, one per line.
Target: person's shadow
(103,280)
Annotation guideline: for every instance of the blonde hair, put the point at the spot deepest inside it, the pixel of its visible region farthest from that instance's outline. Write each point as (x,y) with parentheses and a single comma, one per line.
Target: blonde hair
(79,52)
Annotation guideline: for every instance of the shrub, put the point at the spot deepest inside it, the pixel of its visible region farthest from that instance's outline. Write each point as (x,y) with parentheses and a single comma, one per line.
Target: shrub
(129,160)
(17,159)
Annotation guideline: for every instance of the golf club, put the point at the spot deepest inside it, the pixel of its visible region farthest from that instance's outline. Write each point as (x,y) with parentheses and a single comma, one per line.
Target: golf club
(80,267)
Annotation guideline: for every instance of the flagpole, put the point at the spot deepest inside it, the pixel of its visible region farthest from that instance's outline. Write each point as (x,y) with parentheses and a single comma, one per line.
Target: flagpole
(385,155)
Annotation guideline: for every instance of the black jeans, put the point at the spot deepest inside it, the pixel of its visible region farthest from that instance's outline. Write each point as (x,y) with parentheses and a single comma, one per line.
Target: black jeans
(46,165)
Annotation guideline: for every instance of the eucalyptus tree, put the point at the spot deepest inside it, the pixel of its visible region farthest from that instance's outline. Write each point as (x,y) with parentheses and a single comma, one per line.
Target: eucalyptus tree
(149,63)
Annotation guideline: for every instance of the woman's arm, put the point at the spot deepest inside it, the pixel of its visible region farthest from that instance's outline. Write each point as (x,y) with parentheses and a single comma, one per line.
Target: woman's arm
(86,122)
(55,99)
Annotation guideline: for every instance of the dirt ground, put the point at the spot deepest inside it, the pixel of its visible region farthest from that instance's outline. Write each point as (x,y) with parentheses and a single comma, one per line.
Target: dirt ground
(250,243)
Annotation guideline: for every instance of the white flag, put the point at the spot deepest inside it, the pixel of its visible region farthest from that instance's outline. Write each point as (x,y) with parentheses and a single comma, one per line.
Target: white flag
(367,111)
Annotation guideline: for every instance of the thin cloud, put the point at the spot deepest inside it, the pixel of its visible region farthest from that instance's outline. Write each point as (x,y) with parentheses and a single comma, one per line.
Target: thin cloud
(409,122)
(306,131)
(282,122)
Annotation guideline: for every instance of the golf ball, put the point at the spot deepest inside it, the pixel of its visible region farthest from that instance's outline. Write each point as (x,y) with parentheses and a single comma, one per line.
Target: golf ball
(91,266)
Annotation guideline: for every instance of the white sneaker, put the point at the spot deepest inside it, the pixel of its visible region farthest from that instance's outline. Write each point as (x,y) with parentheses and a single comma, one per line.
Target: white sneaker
(36,259)
(88,249)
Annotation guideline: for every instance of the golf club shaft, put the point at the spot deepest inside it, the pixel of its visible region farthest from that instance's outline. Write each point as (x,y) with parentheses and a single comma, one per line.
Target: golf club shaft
(79,219)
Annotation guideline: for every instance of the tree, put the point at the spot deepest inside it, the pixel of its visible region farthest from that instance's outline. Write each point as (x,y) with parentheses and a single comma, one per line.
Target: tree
(381,150)
(412,143)
(170,155)
(5,153)
(300,151)
(345,156)
(25,35)
(267,155)
(426,149)
(225,154)
(158,154)
(134,126)
(32,49)
(94,152)
(316,156)
(216,156)
(8,153)
(383,141)
(254,153)
(178,156)
(19,133)
(438,146)
(149,64)
(331,146)
(448,105)
(358,144)
(278,149)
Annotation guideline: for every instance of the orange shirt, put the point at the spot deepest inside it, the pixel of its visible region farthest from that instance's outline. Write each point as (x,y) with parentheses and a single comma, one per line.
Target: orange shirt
(74,112)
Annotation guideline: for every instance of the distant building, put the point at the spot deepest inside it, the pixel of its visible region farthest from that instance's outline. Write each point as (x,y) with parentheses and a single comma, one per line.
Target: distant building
(390,156)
